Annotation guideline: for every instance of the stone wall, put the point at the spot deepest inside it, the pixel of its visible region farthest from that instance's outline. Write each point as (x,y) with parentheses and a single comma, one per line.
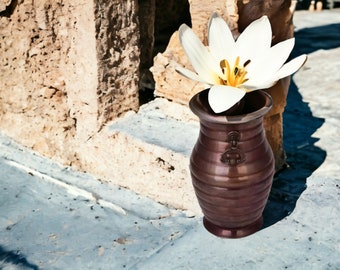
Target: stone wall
(67,68)
(35,95)
(118,54)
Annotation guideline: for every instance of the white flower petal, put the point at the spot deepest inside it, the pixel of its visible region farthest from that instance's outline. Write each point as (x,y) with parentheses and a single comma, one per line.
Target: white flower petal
(255,39)
(292,66)
(198,54)
(286,70)
(189,74)
(278,55)
(261,71)
(222,97)
(259,84)
(220,38)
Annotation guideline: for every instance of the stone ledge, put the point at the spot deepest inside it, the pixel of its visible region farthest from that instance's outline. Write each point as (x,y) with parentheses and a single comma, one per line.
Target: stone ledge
(162,123)
(152,149)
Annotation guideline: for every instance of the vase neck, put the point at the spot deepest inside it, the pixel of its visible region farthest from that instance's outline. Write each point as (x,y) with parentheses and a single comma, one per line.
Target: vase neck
(256,106)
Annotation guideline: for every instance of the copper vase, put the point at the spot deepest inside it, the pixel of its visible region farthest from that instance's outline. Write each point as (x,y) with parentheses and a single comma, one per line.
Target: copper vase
(232,165)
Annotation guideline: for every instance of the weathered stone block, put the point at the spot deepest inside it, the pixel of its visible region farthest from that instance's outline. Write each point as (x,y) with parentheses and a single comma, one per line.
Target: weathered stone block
(67,68)
(117,43)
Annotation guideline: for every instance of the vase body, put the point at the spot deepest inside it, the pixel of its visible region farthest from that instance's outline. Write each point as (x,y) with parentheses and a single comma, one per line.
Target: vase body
(232,166)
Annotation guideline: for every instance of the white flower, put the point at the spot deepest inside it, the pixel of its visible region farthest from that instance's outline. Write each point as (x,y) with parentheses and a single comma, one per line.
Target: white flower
(233,68)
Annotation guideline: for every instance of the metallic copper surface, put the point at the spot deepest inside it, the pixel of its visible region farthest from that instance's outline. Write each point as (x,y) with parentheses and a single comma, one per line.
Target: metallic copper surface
(232,165)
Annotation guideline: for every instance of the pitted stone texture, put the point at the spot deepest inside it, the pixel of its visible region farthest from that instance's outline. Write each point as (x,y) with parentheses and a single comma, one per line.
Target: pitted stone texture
(117,41)
(67,68)
(35,45)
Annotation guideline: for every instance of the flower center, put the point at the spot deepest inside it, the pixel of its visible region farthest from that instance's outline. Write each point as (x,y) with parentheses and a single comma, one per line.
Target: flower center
(233,76)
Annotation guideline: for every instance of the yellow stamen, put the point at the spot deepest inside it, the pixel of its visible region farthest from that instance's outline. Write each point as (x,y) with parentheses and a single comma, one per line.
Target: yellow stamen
(235,76)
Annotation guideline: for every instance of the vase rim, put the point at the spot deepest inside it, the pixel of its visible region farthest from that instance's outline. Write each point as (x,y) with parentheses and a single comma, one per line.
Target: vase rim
(259,101)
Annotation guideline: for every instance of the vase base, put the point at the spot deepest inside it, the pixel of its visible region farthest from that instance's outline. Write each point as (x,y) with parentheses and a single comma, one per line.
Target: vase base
(235,232)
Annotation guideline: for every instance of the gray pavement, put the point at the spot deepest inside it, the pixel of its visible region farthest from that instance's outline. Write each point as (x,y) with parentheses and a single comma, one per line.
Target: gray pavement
(52,217)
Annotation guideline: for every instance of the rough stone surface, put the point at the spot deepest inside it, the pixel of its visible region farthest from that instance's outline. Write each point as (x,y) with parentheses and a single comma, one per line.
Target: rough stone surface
(35,44)
(117,40)
(67,68)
